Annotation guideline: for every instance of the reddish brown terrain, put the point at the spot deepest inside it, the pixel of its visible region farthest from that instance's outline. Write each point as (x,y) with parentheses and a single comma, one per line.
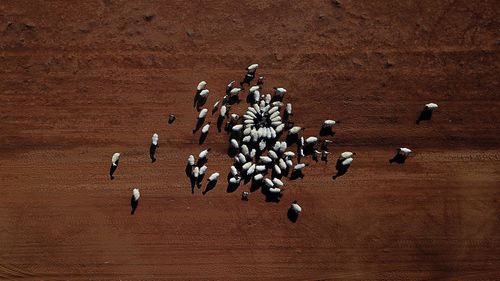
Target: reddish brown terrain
(80,80)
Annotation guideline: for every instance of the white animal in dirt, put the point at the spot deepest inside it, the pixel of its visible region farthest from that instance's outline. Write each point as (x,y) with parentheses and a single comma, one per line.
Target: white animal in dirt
(301,142)
(235,180)
(244,150)
(431,106)
(288,109)
(328,123)
(203,169)
(277,169)
(272,154)
(204,93)
(247,131)
(253,89)
(253,110)
(277,103)
(213,177)
(247,139)
(258,177)
(268,98)
(223,110)
(265,159)
(253,152)
(275,190)
(289,162)
(204,154)
(253,67)
(273,110)
(276,146)
(115,158)
(201,85)
(283,147)
(234,144)
(299,166)
(274,114)
(205,129)
(280,91)
(404,151)
(190,160)
(251,170)
(136,194)
(277,182)
(203,113)
(235,91)
(241,158)
(311,140)
(294,130)
(279,128)
(289,154)
(347,161)
(196,172)
(237,128)
(282,164)
(247,166)
(260,168)
(296,208)
(262,145)
(346,154)
(234,171)
(154,139)
(268,182)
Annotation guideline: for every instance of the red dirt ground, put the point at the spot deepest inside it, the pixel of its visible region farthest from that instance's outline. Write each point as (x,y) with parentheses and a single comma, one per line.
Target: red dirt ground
(81,80)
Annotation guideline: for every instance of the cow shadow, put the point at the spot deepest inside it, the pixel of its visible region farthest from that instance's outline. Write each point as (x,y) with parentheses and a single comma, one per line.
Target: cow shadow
(398,158)
(292,215)
(210,185)
(297,174)
(199,123)
(203,137)
(220,121)
(133,204)
(232,187)
(425,115)
(341,169)
(326,131)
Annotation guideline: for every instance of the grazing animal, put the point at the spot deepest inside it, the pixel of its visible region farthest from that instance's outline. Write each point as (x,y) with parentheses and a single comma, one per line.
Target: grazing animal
(250,74)
(328,123)
(295,130)
(201,86)
(296,208)
(213,177)
(229,87)
(204,93)
(114,164)
(134,201)
(203,113)
(205,128)
(346,154)
(153,147)
(190,160)
(426,114)
(401,155)
(279,92)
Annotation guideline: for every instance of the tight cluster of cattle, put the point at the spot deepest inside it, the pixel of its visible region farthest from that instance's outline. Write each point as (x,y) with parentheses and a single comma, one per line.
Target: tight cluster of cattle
(254,141)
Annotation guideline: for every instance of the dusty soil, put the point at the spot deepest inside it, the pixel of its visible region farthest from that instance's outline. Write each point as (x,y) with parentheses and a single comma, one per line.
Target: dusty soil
(81,80)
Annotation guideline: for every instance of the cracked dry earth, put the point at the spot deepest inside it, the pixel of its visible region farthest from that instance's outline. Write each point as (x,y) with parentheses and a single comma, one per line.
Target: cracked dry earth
(82,80)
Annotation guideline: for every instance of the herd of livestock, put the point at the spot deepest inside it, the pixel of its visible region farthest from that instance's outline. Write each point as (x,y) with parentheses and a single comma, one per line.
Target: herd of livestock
(254,141)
